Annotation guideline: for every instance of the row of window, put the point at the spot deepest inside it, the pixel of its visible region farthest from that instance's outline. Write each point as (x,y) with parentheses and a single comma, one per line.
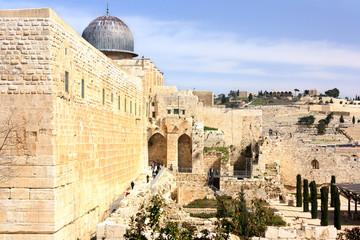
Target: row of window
(103,96)
(176,111)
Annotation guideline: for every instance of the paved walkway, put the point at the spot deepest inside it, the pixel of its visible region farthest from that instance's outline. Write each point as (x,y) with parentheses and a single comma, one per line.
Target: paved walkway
(296,217)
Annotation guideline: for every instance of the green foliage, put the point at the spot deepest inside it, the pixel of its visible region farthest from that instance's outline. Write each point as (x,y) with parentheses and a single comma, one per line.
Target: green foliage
(324,206)
(333,189)
(333,92)
(352,234)
(337,213)
(321,127)
(307,120)
(250,98)
(224,150)
(306,195)
(298,191)
(313,193)
(202,203)
(341,120)
(329,117)
(203,215)
(137,226)
(155,210)
(206,128)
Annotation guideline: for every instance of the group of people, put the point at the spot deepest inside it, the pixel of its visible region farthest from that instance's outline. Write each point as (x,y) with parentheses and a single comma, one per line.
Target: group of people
(271,132)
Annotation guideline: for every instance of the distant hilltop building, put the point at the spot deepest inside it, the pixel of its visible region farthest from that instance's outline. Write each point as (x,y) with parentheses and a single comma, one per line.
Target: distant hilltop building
(278,93)
(313,92)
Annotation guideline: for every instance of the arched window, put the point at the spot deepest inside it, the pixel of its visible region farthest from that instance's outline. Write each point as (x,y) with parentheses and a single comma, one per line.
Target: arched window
(315,164)
(157,149)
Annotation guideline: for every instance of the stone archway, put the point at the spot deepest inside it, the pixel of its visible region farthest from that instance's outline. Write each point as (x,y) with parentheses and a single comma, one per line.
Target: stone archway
(184,153)
(157,149)
(315,164)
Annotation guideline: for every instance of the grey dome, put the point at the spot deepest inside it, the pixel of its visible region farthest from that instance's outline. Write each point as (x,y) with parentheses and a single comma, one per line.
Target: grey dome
(110,34)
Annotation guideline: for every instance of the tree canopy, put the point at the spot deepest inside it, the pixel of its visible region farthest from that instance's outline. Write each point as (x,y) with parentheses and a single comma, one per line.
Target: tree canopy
(333,92)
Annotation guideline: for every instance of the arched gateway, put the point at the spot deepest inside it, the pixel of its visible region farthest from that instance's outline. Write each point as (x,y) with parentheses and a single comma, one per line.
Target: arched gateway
(184,153)
(157,149)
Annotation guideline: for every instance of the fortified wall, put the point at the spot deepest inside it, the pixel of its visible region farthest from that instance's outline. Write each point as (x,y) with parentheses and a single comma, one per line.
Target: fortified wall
(78,139)
(313,162)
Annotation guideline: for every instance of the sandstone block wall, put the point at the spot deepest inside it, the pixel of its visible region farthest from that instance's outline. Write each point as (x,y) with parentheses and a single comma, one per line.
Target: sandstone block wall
(80,152)
(240,127)
(294,157)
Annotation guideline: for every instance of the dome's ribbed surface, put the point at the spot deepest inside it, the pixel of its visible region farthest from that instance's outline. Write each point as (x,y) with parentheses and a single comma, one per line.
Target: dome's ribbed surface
(109,34)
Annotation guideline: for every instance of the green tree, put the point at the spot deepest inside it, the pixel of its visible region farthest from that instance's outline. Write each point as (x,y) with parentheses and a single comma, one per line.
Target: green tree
(324,206)
(329,117)
(308,120)
(250,98)
(313,193)
(333,189)
(341,119)
(241,218)
(321,127)
(306,195)
(337,214)
(298,191)
(333,92)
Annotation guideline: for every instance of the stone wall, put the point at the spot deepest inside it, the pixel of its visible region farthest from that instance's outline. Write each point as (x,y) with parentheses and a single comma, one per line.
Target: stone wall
(81,152)
(295,157)
(307,232)
(206,97)
(240,127)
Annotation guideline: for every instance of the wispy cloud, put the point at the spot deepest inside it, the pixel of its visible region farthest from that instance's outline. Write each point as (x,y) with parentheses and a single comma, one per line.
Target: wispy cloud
(193,54)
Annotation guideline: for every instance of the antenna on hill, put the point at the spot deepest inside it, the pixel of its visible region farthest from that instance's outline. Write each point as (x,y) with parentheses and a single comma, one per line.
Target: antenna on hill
(107,9)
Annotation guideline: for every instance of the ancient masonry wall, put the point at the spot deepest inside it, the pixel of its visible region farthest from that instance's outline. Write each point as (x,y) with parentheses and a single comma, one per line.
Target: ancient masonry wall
(240,127)
(294,157)
(81,147)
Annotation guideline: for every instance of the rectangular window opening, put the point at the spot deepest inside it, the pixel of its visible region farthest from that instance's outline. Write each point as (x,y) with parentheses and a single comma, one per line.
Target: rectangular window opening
(103,102)
(176,111)
(153,114)
(152,104)
(82,88)
(169,111)
(66,81)
(183,112)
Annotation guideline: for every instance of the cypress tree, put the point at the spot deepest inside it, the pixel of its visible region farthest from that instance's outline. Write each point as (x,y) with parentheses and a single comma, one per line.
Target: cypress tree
(324,206)
(333,189)
(337,215)
(298,191)
(306,195)
(313,192)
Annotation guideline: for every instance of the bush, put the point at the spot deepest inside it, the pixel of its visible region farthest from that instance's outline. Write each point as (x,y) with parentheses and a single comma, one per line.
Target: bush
(206,128)
(307,120)
(306,195)
(203,215)
(298,191)
(313,192)
(332,189)
(337,213)
(324,206)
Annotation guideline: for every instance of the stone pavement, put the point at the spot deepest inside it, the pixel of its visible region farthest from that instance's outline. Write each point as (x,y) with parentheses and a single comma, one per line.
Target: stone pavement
(294,216)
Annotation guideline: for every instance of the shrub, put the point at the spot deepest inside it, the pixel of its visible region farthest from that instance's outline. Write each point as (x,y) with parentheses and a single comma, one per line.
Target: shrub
(313,192)
(206,128)
(337,214)
(333,189)
(306,195)
(298,191)
(341,120)
(307,120)
(324,206)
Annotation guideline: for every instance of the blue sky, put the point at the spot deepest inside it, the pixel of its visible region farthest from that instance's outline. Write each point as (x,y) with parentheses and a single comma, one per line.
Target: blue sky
(236,44)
